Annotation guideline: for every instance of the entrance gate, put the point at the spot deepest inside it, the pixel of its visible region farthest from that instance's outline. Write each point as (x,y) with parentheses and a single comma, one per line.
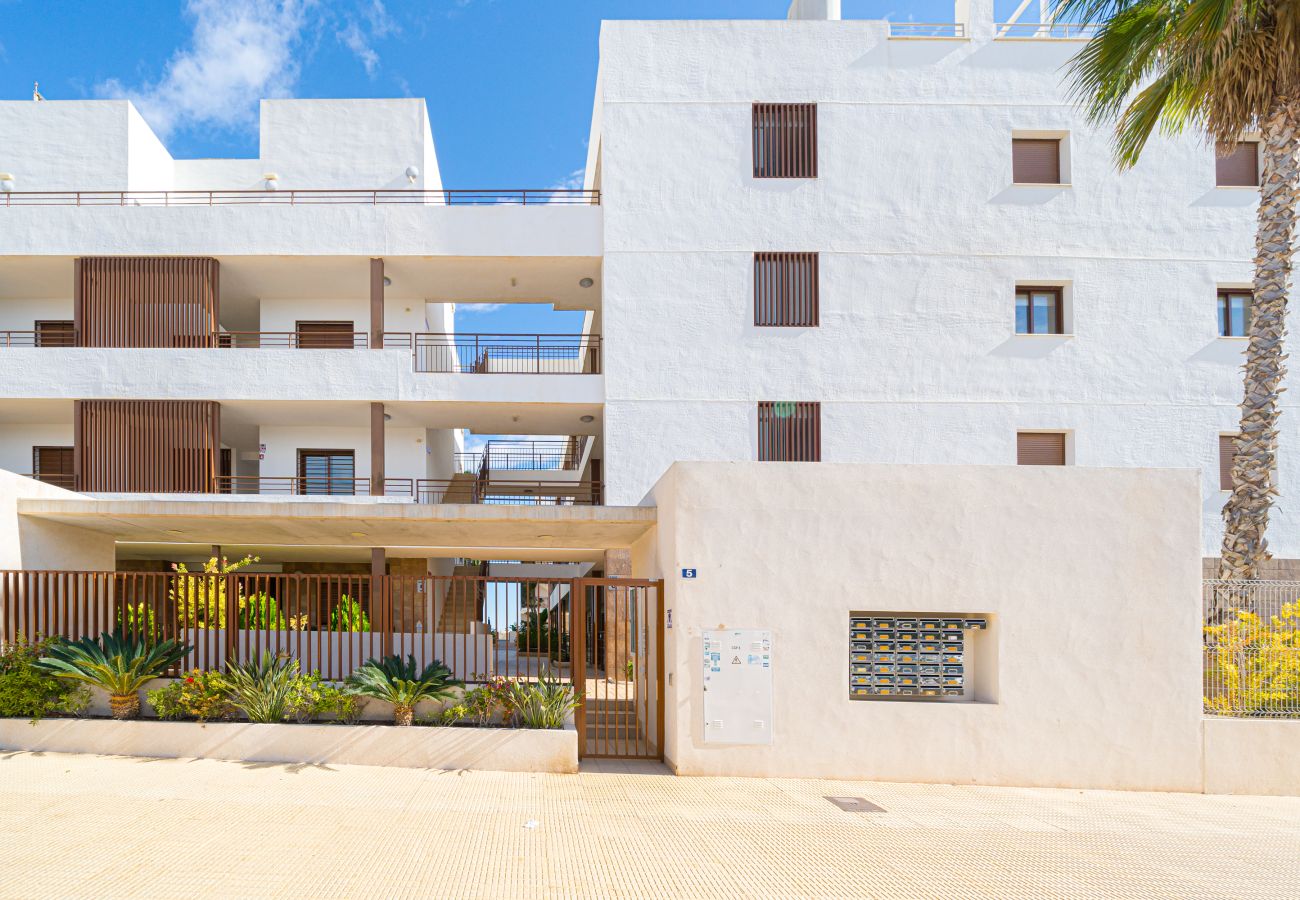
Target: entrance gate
(618,663)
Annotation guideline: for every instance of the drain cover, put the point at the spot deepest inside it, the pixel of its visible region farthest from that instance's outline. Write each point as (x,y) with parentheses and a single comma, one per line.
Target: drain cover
(855,804)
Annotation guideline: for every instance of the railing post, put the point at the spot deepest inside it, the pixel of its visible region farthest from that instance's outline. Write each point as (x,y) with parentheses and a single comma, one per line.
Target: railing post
(539,354)
(578,658)
(232,614)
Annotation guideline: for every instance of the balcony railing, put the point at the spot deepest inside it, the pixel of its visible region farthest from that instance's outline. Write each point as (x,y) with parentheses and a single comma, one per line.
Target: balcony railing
(501,354)
(412,197)
(38,339)
(525,456)
(927,30)
(303,339)
(1046,30)
(476,490)
(310,485)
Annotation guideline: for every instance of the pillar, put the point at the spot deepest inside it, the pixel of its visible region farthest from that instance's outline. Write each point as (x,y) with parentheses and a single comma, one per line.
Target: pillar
(617,619)
(376,449)
(377,303)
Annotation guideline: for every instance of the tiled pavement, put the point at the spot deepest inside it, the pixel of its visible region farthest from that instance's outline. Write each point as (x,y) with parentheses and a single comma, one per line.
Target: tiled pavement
(85,826)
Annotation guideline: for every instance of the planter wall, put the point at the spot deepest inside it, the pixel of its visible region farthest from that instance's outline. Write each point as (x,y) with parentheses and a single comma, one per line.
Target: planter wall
(495,749)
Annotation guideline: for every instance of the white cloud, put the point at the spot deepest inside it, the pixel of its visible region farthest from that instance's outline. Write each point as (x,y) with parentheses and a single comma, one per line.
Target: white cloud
(478,309)
(241,51)
(378,25)
(572,182)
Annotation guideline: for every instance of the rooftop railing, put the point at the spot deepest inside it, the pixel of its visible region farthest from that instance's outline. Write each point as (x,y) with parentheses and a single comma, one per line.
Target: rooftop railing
(927,30)
(475,489)
(295,197)
(501,354)
(1046,30)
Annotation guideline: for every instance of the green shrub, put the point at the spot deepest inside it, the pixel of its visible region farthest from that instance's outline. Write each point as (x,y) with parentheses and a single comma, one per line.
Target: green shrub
(448,715)
(29,691)
(545,703)
(263,689)
(314,697)
(485,701)
(348,615)
(197,695)
(137,619)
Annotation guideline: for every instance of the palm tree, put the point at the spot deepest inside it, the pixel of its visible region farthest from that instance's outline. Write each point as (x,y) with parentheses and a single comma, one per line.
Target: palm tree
(1222,67)
(402,683)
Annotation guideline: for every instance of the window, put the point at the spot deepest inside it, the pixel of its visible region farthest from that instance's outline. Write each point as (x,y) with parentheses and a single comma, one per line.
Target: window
(1036,160)
(55,334)
(326,472)
(1039,310)
(326,335)
(785,289)
(1227,450)
(785,140)
(789,431)
(1237,165)
(1234,312)
(53,465)
(1040,448)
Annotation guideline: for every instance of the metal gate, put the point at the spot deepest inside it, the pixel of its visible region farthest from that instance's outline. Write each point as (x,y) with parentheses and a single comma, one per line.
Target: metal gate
(618,664)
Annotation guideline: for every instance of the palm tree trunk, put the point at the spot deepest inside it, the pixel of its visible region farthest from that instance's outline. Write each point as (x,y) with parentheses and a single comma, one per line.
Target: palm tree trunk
(1245,514)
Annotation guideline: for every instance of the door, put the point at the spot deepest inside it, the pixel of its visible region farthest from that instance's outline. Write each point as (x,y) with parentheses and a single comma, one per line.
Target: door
(53,465)
(618,624)
(326,472)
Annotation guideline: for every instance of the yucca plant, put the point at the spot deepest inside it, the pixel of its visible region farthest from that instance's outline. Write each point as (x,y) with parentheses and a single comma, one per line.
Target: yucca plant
(403,684)
(264,689)
(543,704)
(118,663)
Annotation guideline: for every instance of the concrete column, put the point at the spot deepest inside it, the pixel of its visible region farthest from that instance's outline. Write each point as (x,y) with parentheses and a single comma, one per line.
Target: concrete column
(617,616)
(376,449)
(377,304)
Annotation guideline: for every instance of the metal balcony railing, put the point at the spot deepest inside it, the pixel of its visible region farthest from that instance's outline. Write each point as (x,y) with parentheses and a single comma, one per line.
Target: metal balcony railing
(501,354)
(295,197)
(927,30)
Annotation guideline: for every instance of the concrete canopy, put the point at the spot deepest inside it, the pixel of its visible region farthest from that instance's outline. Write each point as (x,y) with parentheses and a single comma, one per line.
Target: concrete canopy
(483,531)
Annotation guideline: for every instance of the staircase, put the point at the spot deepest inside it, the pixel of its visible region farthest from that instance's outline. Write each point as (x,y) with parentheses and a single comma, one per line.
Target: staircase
(460,607)
(613,729)
(461,489)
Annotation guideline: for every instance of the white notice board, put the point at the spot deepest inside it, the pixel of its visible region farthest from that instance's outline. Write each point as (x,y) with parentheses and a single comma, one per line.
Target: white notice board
(738,686)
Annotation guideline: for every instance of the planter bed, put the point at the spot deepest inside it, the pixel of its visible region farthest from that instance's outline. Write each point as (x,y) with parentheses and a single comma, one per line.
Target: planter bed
(416,747)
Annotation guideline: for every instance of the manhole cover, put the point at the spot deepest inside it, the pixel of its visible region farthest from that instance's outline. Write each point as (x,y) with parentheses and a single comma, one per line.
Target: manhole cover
(855,804)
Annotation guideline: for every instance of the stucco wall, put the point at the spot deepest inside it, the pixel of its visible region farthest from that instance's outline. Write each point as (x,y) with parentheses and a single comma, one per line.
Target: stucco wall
(1090,671)
(922,238)
(404,448)
(27,543)
(1252,756)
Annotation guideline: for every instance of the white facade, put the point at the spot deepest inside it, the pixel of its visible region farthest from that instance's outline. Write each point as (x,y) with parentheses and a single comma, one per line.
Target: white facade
(922,239)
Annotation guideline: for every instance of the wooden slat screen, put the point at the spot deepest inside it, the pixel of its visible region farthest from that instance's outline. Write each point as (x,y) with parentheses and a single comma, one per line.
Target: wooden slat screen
(168,446)
(1227,450)
(1036,161)
(56,333)
(785,140)
(1237,166)
(1040,448)
(786,289)
(147,301)
(326,335)
(789,431)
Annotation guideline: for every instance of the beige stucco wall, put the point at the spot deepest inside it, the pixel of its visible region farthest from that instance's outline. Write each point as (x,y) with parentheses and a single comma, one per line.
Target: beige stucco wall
(1252,756)
(28,543)
(1091,668)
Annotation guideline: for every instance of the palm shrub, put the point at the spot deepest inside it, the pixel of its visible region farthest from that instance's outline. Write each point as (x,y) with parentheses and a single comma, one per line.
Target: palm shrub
(264,689)
(1222,68)
(118,663)
(545,703)
(403,684)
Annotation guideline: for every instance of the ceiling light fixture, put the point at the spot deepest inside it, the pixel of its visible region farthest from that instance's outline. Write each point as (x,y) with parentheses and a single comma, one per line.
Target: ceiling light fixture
(585,282)
(586,418)
(388,282)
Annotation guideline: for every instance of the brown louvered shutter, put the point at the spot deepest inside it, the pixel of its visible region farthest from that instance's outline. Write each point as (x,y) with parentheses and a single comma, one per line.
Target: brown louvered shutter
(789,431)
(1034,448)
(785,140)
(1239,167)
(147,301)
(60,333)
(53,465)
(1227,450)
(786,289)
(326,335)
(1036,160)
(168,446)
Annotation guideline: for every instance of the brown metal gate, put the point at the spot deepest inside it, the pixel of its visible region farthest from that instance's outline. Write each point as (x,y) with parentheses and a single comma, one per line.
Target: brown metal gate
(618,665)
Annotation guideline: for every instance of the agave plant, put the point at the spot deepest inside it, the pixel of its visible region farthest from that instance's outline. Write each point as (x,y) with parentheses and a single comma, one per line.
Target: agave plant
(264,689)
(401,683)
(118,663)
(544,704)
